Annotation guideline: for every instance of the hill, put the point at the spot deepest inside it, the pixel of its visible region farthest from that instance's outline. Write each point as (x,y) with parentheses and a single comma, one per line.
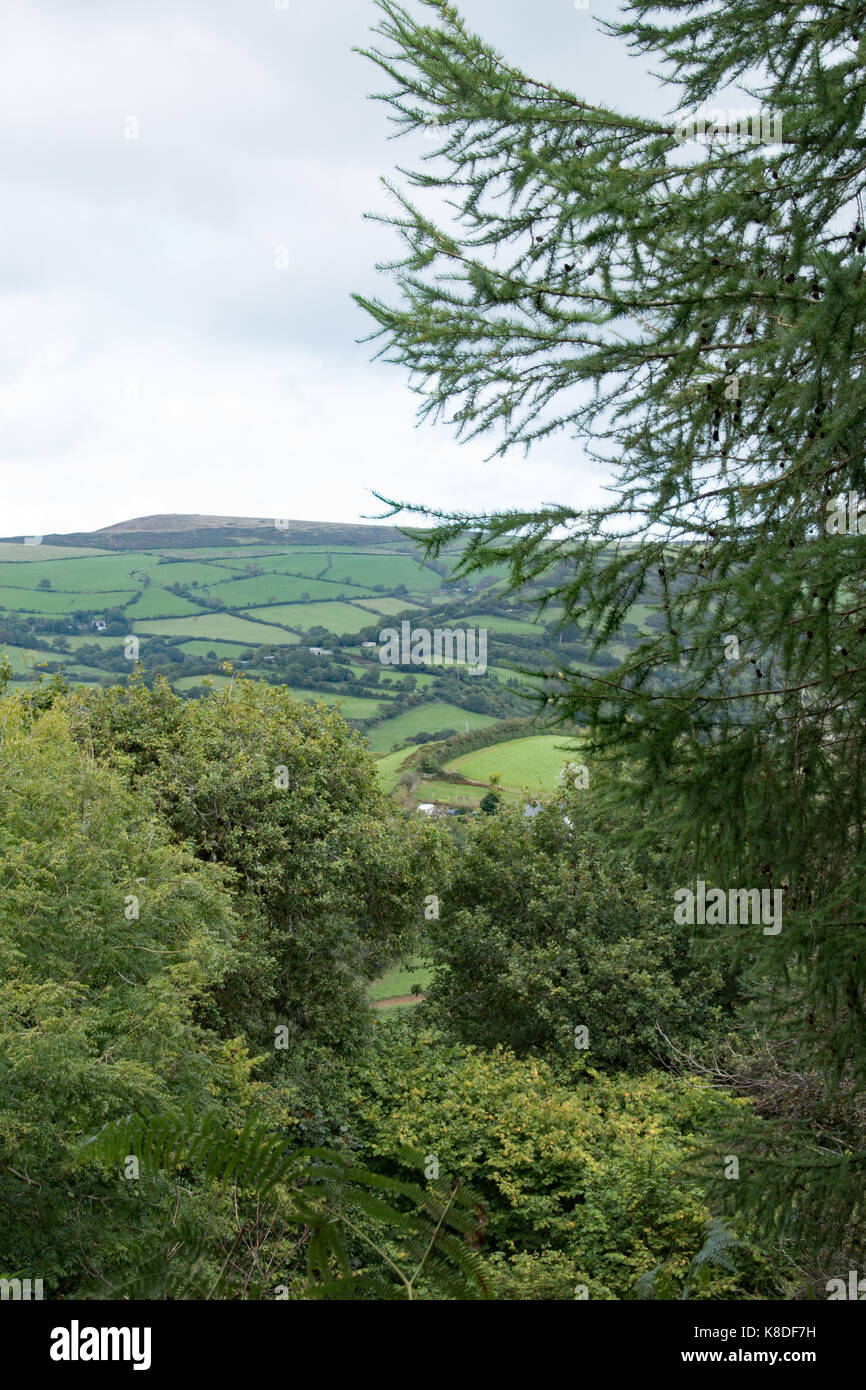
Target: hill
(196,530)
(297,603)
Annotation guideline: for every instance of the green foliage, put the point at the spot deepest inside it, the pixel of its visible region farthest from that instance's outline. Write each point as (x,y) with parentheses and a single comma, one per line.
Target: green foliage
(695,317)
(581,1178)
(110,938)
(557,922)
(330,878)
(714,1252)
(413,1239)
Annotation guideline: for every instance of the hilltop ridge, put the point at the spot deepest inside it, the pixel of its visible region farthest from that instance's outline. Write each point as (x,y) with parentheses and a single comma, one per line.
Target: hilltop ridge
(195,529)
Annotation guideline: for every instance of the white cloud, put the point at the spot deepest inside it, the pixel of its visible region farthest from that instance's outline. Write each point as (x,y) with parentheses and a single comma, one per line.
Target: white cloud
(153,358)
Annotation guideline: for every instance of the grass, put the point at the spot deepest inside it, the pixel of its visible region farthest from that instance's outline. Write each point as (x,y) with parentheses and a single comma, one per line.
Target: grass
(638,613)
(281,588)
(191,682)
(387,606)
(48,601)
(455,794)
(448,794)
(225,651)
(504,674)
(497,624)
(204,575)
(335,617)
(161,603)
(17,550)
(308,563)
(429,718)
(87,639)
(389,768)
(399,979)
(85,574)
(24,659)
(388,569)
(219,625)
(350,706)
(534,763)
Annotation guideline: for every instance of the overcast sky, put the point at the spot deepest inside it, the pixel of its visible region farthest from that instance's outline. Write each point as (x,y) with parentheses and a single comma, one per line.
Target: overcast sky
(152,356)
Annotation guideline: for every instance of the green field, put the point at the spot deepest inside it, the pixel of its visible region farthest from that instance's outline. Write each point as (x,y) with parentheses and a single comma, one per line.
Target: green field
(497,624)
(203,575)
(502,673)
(422,678)
(89,674)
(429,718)
(161,603)
(454,794)
(280,588)
(399,979)
(24,659)
(219,625)
(350,706)
(240,552)
(335,617)
(95,573)
(97,639)
(310,563)
(389,569)
(191,682)
(389,607)
(389,768)
(225,651)
(17,550)
(533,763)
(47,601)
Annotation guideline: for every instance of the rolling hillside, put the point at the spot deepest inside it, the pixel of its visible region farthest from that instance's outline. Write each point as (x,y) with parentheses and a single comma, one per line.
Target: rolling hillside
(300,603)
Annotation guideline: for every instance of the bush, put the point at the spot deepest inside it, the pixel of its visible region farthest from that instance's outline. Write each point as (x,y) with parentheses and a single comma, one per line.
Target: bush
(582,1178)
(550,924)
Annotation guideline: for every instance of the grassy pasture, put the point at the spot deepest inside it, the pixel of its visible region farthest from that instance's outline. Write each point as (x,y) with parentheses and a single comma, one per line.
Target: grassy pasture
(422,678)
(392,569)
(534,763)
(350,706)
(161,603)
(205,575)
(496,624)
(17,550)
(47,601)
(336,617)
(504,674)
(282,588)
(23,660)
(399,979)
(453,794)
(226,651)
(429,718)
(307,563)
(190,682)
(231,553)
(86,640)
(219,625)
(91,573)
(387,606)
(388,769)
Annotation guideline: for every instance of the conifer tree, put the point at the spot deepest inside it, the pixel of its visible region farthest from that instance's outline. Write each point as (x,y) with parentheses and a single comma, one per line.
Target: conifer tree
(691,312)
